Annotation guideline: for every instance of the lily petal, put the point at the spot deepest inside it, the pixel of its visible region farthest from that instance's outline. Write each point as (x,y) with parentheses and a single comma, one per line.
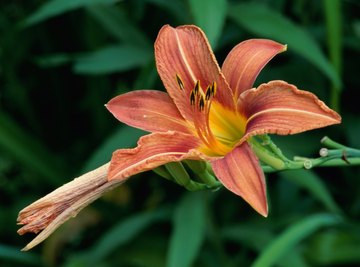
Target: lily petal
(246,60)
(280,108)
(149,110)
(240,172)
(185,52)
(152,151)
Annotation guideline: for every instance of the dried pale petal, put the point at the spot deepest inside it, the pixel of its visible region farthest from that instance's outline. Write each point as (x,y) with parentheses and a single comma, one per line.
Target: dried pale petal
(152,151)
(183,57)
(149,110)
(54,209)
(240,172)
(246,60)
(280,108)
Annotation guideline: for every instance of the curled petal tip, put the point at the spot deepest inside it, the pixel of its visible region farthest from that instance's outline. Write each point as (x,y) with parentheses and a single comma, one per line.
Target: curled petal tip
(240,172)
(284,48)
(246,60)
(263,210)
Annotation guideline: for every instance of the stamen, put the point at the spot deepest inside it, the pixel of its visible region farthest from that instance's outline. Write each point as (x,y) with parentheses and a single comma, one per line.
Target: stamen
(180,82)
(201,103)
(213,88)
(208,93)
(192,98)
(197,87)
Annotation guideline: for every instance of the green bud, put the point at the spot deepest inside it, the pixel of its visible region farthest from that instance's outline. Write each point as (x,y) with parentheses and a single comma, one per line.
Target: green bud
(178,173)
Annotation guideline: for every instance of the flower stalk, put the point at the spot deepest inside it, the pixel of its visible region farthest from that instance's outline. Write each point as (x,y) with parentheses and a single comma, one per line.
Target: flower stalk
(333,154)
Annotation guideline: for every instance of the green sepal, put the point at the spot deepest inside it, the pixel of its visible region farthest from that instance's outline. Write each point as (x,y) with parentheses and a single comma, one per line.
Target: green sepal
(178,173)
(163,172)
(204,172)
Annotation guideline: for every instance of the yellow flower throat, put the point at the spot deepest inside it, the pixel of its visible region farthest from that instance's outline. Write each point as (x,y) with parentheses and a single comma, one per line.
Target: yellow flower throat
(218,127)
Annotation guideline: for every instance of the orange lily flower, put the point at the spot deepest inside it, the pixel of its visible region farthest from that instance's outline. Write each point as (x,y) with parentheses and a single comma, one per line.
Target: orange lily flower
(210,113)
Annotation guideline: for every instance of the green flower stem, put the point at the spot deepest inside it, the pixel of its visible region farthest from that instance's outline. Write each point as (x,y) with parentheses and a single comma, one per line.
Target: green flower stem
(266,141)
(348,152)
(326,141)
(311,163)
(340,162)
(272,160)
(338,155)
(268,156)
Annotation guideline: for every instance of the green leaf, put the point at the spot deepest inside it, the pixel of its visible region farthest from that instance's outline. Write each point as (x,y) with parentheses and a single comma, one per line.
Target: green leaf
(286,241)
(56,7)
(256,237)
(311,182)
(265,22)
(14,254)
(112,59)
(123,137)
(336,247)
(126,231)
(253,236)
(177,9)
(334,27)
(189,230)
(210,16)
(27,150)
(118,24)
(53,60)
(119,235)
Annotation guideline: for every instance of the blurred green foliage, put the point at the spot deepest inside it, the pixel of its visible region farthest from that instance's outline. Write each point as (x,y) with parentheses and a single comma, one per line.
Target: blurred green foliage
(62,60)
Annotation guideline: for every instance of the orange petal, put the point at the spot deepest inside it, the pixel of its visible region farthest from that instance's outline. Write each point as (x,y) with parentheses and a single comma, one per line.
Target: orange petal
(149,110)
(185,51)
(152,151)
(240,172)
(280,108)
(246,60)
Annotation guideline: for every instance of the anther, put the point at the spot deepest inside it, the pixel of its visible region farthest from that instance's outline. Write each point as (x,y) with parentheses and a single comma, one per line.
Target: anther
(208,93)
(180,82)
(192,98)
(201,103)
(213,88)
(197,87)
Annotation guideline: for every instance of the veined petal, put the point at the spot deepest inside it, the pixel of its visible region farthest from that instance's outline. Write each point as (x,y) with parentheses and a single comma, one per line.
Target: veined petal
(185,52)
(149,110)
(246,60)
(152,151)
(240,172)
(280,108)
